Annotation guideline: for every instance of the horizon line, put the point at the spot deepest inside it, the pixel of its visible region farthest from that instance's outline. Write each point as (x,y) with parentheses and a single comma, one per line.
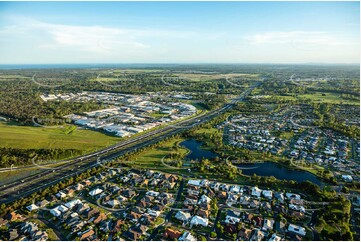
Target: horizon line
(189,63)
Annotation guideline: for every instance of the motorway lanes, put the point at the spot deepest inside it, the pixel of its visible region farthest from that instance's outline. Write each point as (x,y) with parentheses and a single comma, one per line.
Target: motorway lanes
(21,188)
(46,178)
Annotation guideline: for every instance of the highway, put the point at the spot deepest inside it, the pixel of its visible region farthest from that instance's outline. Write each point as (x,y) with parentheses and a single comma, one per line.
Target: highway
(47,177)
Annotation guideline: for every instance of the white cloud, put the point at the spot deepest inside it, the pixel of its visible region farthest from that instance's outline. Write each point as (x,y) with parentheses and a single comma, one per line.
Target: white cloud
(92,39)
(31,41)
(296,37)
(89,38)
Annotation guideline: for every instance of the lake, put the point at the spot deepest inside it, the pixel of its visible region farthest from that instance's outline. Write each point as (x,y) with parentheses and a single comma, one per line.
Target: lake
(260,169)
(196,152)
(278,171)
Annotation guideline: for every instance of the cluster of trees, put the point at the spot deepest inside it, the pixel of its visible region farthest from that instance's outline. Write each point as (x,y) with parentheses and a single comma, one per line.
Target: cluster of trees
(23,106)
(9,156)
(213,139)
(249,108)
(308,187)
(281,88)
(333,220)
(211,101)
(353,185)
(217,167)
(275,100)
(350,97)
(327,119)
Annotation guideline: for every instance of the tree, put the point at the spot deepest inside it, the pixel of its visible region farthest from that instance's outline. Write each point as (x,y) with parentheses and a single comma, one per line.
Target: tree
(348,236)
(234,236)
(213,234)
(214,206)
(345,189)
(203,238)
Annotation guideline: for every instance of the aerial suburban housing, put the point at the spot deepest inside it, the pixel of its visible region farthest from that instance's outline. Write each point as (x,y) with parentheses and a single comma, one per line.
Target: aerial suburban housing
(180,121)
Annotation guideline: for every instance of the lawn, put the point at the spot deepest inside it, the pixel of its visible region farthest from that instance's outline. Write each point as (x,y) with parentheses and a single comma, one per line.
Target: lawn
(151,158)
(285,97)
(328,98)
(158,115)
(206,131)
(286,135)
(7,77)
(195,104)
(28,137)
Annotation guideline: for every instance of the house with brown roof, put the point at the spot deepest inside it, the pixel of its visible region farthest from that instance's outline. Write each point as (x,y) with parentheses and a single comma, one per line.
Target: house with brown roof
(117,225)
(100,218)
(69,191)
(147,219)
(138,210)
(145,182)
(133,216)
(205,206)
(166,184)
(203,213)
(131,235)
(86,235)
(42,203)
(171,234)
(140,228)
(147,199)
(255,204)
(3,222)
(165,201)
(91,213)
(128,193)
(230,228)
(248,217)
(279,209)
(190,201)
(13,216)
(258,235)
(78,186)
(144,204)
(158,207)
(86,183)
(107,198)
(222,195)
(244,234)
(258,221)
(189,208)
(210,193)
(296,214)
(171,178)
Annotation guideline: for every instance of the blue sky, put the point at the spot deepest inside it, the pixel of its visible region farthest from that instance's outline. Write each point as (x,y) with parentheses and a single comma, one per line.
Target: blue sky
(179,32)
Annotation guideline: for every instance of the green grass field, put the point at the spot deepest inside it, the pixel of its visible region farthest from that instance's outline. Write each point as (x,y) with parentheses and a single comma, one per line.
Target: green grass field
(151,158)
(286,135)
(291,98)
(6,77)
(207,131)
(328,98)
(158,115)
(27,137)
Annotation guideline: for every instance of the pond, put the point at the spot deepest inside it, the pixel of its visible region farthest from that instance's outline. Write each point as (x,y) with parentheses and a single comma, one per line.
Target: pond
(196,152)
(260,169)
(278,171)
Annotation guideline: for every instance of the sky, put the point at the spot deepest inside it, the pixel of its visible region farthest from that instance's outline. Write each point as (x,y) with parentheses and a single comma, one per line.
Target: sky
(179,32)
